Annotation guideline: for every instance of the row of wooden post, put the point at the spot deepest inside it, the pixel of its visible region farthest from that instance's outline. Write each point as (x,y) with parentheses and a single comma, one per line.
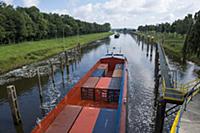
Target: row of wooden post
(148,41)
(12,95)
(158,104)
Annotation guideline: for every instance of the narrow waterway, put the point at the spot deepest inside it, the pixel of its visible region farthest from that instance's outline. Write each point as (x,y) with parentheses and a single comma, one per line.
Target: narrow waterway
(140,94)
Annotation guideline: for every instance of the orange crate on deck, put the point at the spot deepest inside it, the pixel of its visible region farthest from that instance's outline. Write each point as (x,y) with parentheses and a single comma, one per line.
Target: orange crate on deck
(101,89)
(87,90)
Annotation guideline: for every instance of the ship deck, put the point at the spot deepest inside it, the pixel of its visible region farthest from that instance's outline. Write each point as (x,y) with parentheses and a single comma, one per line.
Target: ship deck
(94,104)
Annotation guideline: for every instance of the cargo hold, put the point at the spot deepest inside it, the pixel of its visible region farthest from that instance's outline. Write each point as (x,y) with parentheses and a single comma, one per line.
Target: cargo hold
(86,120)
(98,73)
(65,119)
(117,73)
(87,90)
(103,83)
(119,66)
(106,121)
(115,83)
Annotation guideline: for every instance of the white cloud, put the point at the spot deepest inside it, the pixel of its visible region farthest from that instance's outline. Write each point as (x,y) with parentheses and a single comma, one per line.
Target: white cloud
(29,3)
(8,1)
(131,13)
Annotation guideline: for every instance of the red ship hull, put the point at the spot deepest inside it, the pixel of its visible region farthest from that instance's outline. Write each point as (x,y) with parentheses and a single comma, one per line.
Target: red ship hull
(98,98)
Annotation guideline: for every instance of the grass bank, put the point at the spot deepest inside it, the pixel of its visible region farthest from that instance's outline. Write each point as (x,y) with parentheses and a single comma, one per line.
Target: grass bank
(173,44)
(16,55)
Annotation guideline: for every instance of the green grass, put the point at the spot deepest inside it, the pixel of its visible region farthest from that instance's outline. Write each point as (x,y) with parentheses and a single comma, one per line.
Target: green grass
(173,45)
(16,55)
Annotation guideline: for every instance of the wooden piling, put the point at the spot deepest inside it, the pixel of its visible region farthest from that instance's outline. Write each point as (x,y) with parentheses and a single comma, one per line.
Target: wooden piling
(152,40)
(147,54)
(142,45)
(40,90)
(12,98)
(66,58)
(156,75)
(52,72)
(72,67)
(161,104)
(160,116)
(62,69)
(79,47)
(147,49)
(67,69)
(151,50)
(61,66)
(74,53)
(39,84)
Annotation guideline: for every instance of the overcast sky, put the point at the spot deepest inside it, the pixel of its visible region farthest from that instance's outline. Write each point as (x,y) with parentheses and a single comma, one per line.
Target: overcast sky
(120,13)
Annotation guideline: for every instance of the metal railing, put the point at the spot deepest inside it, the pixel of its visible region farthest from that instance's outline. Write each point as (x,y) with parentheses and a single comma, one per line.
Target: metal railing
(195,89)
(184,89)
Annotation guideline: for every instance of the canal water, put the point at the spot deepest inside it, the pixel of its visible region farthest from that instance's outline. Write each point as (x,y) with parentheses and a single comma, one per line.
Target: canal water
(140,92)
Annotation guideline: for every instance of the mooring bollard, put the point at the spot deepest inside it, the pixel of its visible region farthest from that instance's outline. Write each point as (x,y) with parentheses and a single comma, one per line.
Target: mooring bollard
(12,98)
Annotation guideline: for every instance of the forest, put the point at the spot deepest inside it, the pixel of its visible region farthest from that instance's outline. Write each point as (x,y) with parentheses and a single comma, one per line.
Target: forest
(28,24)
(189,26)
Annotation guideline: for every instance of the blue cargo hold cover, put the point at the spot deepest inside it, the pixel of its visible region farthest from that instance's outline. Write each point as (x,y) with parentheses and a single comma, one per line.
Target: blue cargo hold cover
(98,73)
(106,121)
(119,66)
(115,83)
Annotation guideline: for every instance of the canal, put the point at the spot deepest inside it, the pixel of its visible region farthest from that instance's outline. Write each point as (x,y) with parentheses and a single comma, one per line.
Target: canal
(140,94)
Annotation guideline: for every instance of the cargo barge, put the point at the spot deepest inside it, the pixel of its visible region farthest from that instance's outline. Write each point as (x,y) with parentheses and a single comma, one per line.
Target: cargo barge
(97,103)
(117,35)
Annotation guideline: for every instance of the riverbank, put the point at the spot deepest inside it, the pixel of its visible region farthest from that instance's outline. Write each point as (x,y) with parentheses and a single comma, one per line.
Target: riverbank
(17,55)
(173,45)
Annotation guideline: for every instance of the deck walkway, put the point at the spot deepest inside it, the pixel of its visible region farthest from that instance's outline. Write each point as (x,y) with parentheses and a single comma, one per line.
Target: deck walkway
(164,67)
(170,94)
(190,121)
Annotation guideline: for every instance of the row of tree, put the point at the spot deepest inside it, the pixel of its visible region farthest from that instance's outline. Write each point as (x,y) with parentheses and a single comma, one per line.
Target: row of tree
(179,26)
(189,26)
(24,24)
(192,42)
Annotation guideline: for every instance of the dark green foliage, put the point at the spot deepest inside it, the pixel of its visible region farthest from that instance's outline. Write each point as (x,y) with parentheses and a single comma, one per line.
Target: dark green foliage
(179,26)
(193,43)
(25,24)
(188,26)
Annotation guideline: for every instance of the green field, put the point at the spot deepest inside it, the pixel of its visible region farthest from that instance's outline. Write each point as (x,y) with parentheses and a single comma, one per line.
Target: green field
(16,55)
(173,45)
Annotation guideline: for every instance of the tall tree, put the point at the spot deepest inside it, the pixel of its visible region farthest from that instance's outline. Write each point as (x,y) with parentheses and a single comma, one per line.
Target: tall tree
(21,24)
